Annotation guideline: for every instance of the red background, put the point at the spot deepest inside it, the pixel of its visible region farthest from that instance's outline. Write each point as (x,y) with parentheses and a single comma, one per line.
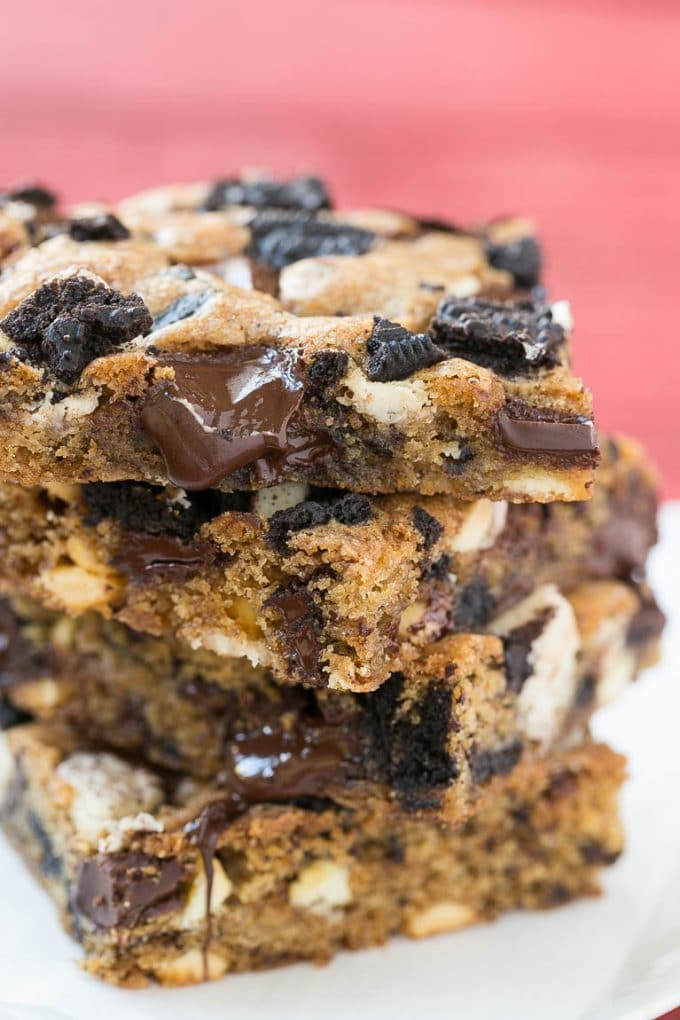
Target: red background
(565,110)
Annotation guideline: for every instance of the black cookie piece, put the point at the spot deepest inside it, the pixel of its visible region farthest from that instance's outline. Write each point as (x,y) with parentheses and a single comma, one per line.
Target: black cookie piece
(484,765)
(32,194)
(521,258)
(282,524)
(182,308)
(352,509)
(306,193)
(509,339)
(429,527)
(327,369)
(103,227)
(279,239)
(516,650)
(410,752)
(395,353)
(67,323)
(137,506)
(10,715)
(474,606)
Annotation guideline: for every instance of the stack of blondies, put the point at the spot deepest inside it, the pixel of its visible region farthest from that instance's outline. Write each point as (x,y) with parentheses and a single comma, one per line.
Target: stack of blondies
(313,573)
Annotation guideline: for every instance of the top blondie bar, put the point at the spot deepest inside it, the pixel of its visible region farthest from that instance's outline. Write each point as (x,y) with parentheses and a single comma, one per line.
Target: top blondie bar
(242,334)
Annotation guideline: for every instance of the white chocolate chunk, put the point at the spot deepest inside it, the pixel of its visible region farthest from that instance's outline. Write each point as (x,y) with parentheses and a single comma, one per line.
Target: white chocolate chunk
(195,909)
(440,917)
(482,524)
(561,313)
(190,968)
(549,690)
(7,767)
(321,887)
(279,497)
(391,403)
(105,790)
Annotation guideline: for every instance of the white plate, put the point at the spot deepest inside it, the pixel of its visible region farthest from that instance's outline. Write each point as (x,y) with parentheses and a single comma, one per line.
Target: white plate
(615,958)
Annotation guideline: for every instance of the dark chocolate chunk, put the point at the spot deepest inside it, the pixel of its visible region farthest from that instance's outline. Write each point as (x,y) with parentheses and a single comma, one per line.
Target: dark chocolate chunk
(103,227)
(509,339)
(410,749)
(32,194)
(395,353)
(182,308)
(474,606)
(19,660)
(429,528)
(521,258)
(120,890)
(138,506)
(279,239)
(484,765)
(438,570)
(517,648)
(327,369)
(523,429)
(298,633)
(306,193)
(222,411)
(69,322)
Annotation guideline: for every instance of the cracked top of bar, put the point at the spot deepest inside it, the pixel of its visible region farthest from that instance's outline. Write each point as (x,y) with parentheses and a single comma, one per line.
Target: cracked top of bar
(398,354)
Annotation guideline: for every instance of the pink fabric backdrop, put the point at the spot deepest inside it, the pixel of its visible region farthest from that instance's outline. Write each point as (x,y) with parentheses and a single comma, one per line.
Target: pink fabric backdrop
(566,110)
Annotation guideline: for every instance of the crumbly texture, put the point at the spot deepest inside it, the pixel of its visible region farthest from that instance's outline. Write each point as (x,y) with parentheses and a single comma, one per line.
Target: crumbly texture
(430,740)
(398,368)
(327,589)
(187,890)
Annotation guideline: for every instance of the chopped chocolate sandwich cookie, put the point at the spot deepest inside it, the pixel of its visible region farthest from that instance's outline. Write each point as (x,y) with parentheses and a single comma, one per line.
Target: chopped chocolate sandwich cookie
(176,882)
(328,589)
(430,740)
(116,365)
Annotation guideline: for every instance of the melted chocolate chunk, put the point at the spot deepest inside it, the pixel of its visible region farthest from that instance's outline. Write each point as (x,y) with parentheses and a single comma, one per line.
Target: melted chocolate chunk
(484,765)
(410,751)
(474,606)
(182,308)
(137,506)
(517,648)
(429,528)
(394,353)
(279,239)
(350,509)
(522,258)
(32,194)
(305,193)
(103,227)
(120,890)
(69,322)
(298,632)
(327,369)
(222,411)
(139,553)
(301,452)
(509,339)
(521,429)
